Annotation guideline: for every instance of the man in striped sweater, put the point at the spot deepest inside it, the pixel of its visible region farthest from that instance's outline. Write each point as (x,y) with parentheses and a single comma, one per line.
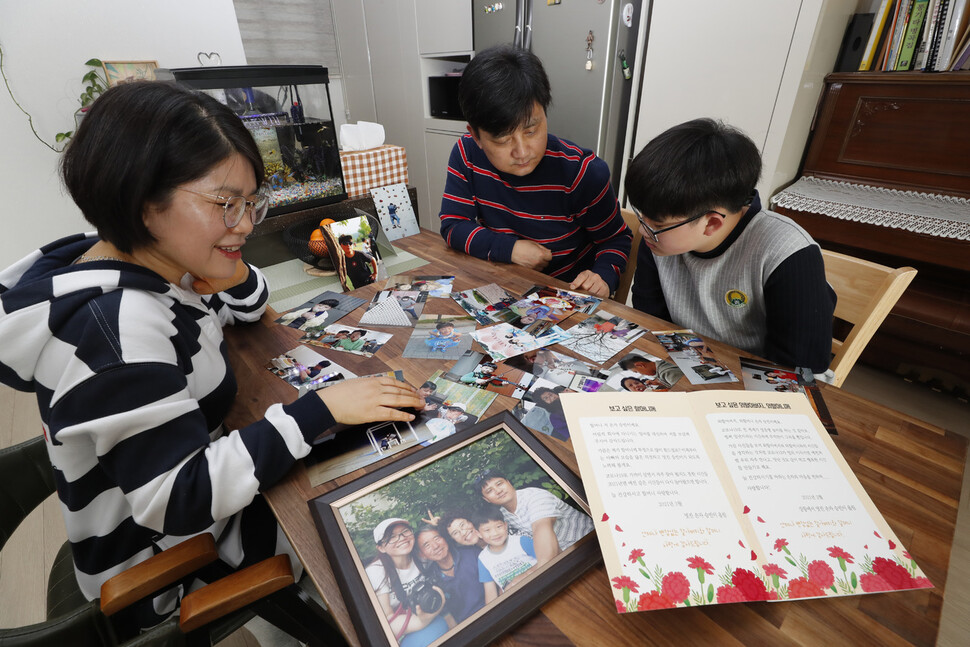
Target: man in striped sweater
(711,259)
(517,194)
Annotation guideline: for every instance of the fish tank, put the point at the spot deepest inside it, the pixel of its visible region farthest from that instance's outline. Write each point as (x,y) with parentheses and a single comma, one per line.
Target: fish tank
(288,111)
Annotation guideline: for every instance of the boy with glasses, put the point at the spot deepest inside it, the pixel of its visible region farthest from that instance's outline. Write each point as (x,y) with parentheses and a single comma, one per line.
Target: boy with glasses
(516,194)
(713,260)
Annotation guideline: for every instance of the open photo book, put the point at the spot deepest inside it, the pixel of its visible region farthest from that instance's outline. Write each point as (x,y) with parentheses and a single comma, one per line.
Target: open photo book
(713,497)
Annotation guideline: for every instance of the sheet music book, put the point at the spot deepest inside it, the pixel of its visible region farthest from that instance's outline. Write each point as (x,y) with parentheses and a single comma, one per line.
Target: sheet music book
(714,497)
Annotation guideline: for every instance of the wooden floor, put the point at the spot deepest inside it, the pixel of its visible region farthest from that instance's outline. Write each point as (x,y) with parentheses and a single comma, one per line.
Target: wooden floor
(26,559)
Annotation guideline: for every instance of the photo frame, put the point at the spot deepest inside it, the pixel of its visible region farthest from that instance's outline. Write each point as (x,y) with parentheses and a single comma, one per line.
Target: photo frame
(118,72)
(401,486)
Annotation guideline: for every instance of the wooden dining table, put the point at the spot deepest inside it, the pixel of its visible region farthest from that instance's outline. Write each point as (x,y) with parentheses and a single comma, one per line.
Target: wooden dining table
(911,470)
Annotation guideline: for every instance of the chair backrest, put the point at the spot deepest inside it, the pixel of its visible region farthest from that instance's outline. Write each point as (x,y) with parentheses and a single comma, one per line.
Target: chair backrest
(867,292)
(626,279)
(26,480)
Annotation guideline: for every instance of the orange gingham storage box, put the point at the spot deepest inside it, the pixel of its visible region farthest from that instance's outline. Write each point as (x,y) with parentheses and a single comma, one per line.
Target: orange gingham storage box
(373,167)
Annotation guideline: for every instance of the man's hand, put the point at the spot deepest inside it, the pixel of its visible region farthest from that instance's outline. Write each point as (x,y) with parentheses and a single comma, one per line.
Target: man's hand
(370,399)
(591,282)
(203,285)
(529,254)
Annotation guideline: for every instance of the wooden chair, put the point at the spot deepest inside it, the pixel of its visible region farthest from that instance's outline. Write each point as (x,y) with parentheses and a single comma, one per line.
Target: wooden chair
(867,292)
(207,615)
(622,293)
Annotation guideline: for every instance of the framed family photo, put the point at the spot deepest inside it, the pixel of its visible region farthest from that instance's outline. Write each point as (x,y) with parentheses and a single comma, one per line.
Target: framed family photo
(426,551)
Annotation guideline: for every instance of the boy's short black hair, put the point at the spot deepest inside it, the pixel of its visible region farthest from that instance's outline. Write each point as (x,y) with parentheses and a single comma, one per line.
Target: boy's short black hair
(500,87)
(137,143)
(429,385)
(333,303)
(443,324)
(691,168)
(485,514)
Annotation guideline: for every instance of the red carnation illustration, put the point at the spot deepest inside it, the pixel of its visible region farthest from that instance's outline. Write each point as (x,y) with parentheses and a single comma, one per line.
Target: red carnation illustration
(922,583)
(654,600)
(907,555)
(624,582)
(750,585)
(700,563)
(635,554)
(780,544)
(843,557)
(895,575)
(872,583)
(620,607)
(606,517)
(802,587)
(821,573)
(675,587)
(727,594)
(774,569)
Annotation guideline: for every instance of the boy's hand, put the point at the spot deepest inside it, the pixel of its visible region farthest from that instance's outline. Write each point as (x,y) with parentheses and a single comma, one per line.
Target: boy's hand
(529,254)
(370,399)
(202,285)
(591,282)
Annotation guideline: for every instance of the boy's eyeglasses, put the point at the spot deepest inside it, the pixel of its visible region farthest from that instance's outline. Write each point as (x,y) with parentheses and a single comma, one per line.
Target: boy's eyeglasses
(655,233)
(234,207)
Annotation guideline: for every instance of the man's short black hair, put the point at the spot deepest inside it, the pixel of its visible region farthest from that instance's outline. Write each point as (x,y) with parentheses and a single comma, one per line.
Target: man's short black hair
(345,240)
(137,143)
(692,168)
(333,303)
(627,363)
(487,475)
(500,87)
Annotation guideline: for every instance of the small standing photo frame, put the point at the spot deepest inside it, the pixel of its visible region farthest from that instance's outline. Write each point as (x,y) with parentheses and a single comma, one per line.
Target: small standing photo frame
(118,72)
(441,483)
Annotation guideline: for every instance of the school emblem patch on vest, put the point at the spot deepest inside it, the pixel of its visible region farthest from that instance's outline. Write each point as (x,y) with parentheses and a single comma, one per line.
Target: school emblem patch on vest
(736,298)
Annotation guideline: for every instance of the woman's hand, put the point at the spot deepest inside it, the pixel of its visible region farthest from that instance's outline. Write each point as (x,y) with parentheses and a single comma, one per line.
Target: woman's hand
(370,399)
(202,285)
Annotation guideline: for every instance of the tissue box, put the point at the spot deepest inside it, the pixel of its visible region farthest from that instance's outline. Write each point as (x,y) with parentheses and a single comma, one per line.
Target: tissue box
(379,166)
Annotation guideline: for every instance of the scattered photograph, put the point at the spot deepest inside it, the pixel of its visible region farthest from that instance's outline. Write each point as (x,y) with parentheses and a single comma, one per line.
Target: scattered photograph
(504,340)
(541,411)
(352,244)
(483,372)
(440,337)
(394,208)
(453,408)
(394,308)
(323,309)
(437,286)
(488,303)
(536,318)
(640,371)
(552,366)
(601,336)
(694,357)
(348,339)
(563,299)
(434,532)
(304,367)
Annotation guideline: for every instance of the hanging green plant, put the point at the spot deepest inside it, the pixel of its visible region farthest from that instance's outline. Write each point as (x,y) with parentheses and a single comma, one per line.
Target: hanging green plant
(95,84)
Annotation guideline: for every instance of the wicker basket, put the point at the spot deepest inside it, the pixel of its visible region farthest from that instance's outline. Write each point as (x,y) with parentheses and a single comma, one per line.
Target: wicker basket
(297,239)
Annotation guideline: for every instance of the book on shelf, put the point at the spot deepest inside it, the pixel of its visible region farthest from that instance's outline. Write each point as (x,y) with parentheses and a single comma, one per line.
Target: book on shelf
(854,43)
(956,24)
(712,497)
(929,24)
(876,35)
(938,29)
(961,55)
(907,48)
(899,28)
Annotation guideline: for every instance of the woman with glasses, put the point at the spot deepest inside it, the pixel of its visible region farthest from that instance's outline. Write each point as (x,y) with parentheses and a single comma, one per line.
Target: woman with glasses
(411,603)
(119,333)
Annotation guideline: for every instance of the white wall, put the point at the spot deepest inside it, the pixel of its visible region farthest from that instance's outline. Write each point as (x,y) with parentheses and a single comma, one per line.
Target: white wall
(45,44)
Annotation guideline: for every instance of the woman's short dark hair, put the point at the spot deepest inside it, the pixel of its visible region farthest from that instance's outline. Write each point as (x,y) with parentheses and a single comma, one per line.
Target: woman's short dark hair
(692,168)
(137,144)
(499,89)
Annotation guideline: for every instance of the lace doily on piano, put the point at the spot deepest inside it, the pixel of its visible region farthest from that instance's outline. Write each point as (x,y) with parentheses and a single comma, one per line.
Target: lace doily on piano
(932,214)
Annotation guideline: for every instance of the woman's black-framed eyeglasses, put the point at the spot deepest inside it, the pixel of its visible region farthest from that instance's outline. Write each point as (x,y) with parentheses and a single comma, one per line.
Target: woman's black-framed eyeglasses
(234,206)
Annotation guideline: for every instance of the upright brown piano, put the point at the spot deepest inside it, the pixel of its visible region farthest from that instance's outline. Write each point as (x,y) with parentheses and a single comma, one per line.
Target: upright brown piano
(882,140)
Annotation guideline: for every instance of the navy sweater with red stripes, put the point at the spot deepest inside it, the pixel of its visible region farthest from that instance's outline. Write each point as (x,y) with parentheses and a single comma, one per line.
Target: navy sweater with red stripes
(565,204)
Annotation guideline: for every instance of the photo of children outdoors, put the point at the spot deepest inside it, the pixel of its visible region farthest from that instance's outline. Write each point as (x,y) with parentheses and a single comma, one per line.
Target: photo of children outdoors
(349,339)
(440,337)
(441,543)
